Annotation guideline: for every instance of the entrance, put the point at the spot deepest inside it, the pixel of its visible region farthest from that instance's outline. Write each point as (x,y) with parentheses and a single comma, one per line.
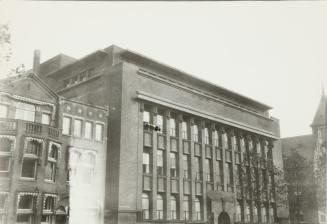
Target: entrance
(223,218)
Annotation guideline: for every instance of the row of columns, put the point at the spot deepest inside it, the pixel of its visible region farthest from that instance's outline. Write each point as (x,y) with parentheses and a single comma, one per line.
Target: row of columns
(202,124)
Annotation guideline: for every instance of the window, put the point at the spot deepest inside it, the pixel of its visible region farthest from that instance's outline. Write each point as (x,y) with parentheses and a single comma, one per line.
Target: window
(83,76)
(173,207)
(229,173)
(173,169)
(206,136)
(25,219)
(26,201)
(215,138)
(225,140)
(160,162)
(88,168)
(238,212)
(172,127)
(195,133)
(91,72)
(45,118)
(160,205)
(145,206)
(198,168)
(33,147)
(4,164)
(160,123)
(88,130)
(146,162)
(74,80)
(186,207)
(255,213)
(66,125)
(271,214)
(49,203)
(50,169)
(5,144)
(77,128)
(98,132)
(186,166)
(146,116)
(3,111)
(247,212)
(264,217)
(29,168)
(220,172)
(3,200)
(197,205)
(47,219)
(208,169)
(184,130)
(25,111)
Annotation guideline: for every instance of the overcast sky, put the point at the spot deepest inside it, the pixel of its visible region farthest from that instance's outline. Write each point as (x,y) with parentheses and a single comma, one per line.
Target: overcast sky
(274,52)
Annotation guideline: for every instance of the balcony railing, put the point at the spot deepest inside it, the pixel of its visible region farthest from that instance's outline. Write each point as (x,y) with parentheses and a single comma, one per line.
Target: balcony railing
(29,127)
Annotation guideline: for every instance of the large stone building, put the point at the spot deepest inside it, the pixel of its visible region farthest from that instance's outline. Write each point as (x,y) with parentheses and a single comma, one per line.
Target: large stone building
(179,149)
(307,187)
(52,151)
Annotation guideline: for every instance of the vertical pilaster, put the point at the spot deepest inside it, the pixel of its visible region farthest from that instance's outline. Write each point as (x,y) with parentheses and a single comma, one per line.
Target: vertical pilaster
(204,172)
(180,166)
(140,158)
(154,165)
(193,174)
(223,159)
(167,164)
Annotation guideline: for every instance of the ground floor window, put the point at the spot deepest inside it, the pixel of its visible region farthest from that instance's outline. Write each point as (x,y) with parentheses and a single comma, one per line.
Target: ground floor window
(47,219)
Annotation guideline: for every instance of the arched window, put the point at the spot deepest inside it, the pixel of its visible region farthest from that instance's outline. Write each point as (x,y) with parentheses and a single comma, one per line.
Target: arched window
(145,206)
(160,205)
(49,203)
(25,111)
(197,209)
(53,152)
(173,207)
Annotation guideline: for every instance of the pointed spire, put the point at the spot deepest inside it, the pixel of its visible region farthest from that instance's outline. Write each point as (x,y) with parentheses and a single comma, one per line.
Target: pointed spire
(320,117)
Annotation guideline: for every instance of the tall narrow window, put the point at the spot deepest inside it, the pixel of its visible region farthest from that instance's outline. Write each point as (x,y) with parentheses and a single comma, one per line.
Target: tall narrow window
(99,132)
(173,162)
(220,173)
(3,111)
(186,166)
(145,206)
(238,212)
(255,213)
(197,205)
(160,123)
(215,138)
(146,162)
(229,173)
(45,119)
(172,127)
(29,167)
(264,218)
(160,205)
(88,168)
(66,125)
(198,168)
(146,116)
(206,136)
(247,212)
(77,128)
(50,169)
(160,162)
(88,130)
(184,130)
(195,133)
(209,170)
(25,111)
(173,207)
(225,140)
(186,207)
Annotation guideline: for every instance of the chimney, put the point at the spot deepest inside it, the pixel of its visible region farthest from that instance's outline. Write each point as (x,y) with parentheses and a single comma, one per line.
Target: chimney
(36,62)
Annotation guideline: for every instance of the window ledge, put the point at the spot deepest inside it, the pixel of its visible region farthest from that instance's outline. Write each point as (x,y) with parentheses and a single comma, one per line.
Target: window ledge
(27,179)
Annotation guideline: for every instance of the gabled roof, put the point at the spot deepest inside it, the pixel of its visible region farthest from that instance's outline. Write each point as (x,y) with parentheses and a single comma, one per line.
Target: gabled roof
(321,114)
(9,84)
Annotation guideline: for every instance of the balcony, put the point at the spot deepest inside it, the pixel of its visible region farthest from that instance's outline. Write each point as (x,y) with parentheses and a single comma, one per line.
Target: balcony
(11,126)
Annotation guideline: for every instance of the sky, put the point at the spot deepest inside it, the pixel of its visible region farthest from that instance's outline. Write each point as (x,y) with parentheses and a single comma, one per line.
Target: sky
(273,52)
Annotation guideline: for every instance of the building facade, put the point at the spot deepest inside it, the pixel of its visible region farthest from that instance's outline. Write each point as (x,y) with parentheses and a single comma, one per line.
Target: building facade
(179,149)
(309,186)
(39,152)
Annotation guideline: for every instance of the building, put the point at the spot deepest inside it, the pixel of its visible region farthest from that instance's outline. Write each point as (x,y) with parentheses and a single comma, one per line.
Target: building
(49,148)
(177,146)
(308,149)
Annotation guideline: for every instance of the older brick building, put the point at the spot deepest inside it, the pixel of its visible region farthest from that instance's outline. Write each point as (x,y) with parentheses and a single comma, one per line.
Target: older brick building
(310,147)
(177,145)
(43,139)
